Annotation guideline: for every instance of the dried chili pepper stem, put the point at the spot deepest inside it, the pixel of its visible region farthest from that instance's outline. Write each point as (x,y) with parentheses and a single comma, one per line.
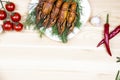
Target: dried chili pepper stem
(106,35)
(111,35)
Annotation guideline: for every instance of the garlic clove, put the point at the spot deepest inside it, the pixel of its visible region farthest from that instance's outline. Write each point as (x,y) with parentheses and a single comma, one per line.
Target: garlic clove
(95,21)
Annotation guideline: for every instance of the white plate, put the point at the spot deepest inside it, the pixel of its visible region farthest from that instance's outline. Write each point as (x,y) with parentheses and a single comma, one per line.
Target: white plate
(84,17)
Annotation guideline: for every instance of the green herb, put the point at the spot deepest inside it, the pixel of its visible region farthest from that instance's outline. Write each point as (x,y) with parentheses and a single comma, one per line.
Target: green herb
(118,59)
(79,13)
(118,73)
(55,30)
(39,25)
(64,36)
(31,19)
(118,76)
(66,0)
(42,31)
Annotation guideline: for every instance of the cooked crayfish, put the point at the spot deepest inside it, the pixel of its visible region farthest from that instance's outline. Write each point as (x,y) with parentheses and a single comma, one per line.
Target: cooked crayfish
(61,23)
(47,7)
(54,13)
(38,10)
(71,17)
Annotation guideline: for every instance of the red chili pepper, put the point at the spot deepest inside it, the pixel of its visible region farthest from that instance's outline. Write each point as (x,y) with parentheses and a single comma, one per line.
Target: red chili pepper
(106,35)
(111,35)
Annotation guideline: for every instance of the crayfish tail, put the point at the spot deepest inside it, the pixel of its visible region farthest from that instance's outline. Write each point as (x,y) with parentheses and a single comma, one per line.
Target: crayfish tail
(46,21)
(71,28)
(51,22)
(68,25)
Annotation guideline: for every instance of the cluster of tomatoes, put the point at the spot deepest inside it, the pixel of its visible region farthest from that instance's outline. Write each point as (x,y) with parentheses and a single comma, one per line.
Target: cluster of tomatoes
(11,20)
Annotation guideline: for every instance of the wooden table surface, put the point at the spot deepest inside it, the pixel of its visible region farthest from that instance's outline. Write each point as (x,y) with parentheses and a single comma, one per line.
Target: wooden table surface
(24,56)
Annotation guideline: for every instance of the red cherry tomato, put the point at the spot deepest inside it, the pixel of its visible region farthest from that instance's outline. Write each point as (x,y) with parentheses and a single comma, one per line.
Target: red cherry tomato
(3,15)
(15,17)
(18,27)
(10,6)
(7,26)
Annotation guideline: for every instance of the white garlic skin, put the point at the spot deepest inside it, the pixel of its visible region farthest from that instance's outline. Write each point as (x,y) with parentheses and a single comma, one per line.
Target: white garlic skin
(95,20)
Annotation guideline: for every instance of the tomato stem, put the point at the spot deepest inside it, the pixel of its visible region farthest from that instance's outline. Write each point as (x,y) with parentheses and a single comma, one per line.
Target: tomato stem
(2,5)
(5,1)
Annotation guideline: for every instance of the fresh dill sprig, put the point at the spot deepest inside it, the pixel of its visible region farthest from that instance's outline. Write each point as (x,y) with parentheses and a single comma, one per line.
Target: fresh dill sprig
(64,36)
(39,25)
(30,19)
(55,30)
(79,13)
(118,73)
(118,76)
(42,31)
(65,0)
(118,59)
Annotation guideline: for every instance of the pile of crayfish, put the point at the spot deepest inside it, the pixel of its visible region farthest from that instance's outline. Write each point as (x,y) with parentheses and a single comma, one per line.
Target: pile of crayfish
(57,12)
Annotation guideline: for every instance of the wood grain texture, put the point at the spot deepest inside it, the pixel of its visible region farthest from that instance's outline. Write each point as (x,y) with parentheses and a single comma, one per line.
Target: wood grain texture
(25,56)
